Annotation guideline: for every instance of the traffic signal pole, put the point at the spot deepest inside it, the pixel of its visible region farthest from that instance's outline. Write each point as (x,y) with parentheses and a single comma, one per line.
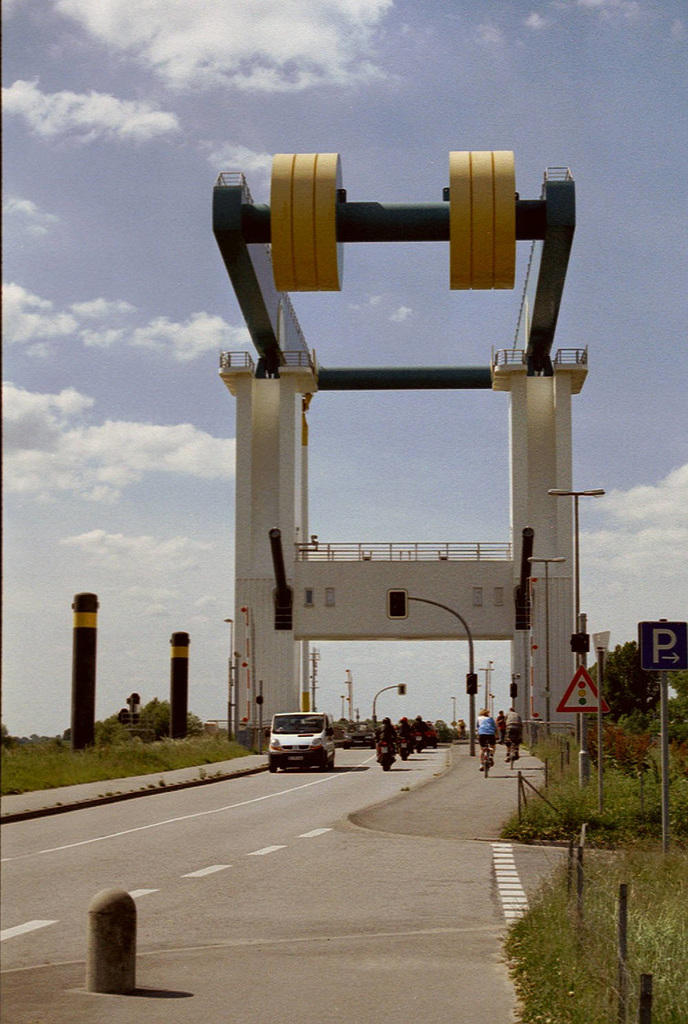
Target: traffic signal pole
(471,667)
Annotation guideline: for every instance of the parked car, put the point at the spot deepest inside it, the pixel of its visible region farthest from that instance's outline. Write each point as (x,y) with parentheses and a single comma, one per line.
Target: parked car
(359,736)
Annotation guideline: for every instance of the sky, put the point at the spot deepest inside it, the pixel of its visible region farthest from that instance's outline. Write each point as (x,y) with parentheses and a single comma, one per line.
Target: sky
(119,434)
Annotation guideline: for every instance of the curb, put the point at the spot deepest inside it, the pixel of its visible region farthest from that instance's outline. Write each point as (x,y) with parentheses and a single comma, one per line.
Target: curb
(114,798)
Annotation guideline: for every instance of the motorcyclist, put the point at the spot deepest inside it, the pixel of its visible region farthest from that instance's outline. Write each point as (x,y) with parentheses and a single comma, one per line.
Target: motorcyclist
(405,730)
(387,734)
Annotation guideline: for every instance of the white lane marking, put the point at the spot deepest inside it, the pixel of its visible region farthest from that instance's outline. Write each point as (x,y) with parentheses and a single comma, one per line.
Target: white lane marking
(511,895)
(313,833)
(187,817)
(23,929)
(141,892)
(207,871)
(266,849)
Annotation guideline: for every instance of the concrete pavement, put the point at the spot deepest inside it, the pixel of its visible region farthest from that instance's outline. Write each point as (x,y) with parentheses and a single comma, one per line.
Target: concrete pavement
(210,984)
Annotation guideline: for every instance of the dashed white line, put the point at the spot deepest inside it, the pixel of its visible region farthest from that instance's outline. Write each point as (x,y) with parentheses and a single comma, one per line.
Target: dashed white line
(23,929)
(512,897)
(207,871)
(134,893)
(313,833)
(266,849)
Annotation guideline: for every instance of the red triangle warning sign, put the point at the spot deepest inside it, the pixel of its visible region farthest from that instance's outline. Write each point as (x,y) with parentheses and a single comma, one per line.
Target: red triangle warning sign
(581,695)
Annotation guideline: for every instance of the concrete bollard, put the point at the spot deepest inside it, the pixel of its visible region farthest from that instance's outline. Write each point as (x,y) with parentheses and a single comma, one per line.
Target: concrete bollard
(111,959)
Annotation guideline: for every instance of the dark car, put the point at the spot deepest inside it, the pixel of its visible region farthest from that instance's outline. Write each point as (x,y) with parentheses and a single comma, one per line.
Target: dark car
(359,736)
(430,735)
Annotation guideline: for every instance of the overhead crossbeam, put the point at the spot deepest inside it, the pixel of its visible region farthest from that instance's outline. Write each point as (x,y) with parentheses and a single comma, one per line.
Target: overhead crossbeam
(244,232)
(395,378)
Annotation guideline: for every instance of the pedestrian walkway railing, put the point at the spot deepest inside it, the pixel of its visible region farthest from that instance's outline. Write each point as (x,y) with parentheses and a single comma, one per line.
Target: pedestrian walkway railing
(396,551)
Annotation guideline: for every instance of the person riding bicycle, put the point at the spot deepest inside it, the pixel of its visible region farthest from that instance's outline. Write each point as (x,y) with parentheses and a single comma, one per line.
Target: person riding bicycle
(487,734)
(514,734)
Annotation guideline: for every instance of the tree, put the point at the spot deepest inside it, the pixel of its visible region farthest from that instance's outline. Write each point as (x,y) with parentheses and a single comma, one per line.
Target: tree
(631,692)
(678,707)
(7,740)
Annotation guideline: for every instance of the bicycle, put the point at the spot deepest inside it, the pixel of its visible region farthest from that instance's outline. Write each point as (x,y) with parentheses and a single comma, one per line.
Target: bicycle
(513,742)
(486,759)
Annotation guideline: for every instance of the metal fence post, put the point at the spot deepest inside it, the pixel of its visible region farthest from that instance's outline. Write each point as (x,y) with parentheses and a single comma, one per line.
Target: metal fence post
(623,952)
(645,1004)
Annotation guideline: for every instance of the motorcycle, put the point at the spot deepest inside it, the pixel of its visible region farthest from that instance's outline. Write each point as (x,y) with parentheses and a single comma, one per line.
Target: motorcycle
(404,748)
(385,755)
(419,740)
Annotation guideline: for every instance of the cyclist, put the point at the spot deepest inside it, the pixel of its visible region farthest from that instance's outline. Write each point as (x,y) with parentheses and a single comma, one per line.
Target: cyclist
(487,735)
(514,734)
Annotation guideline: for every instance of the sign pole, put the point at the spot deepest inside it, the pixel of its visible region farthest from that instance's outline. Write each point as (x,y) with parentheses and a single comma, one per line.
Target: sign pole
(663,648)
(664,718)
(600,740)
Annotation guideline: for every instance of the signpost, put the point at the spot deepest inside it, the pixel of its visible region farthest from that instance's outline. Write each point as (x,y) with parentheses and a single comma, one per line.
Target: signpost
(663,648)
(601,644)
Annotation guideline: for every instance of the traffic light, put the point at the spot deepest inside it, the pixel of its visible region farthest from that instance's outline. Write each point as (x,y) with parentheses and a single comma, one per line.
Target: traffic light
(472,683)
(513,690)
(580,643)
(124,716)
(134,702)
(401,689)
(397,604)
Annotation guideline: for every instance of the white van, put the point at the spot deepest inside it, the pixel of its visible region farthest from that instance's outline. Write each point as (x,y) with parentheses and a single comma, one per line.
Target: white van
(301,739)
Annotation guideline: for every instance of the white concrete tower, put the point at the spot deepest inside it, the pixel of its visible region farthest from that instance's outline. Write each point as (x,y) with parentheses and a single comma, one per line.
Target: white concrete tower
(271,492)
(541,458)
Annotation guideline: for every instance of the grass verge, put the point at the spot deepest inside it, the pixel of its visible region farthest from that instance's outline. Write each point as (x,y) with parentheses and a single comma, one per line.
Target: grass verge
(52,764)
(566,971)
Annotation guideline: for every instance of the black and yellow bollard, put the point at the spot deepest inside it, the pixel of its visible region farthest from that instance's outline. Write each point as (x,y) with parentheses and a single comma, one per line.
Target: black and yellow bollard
(179,685)
(85,608)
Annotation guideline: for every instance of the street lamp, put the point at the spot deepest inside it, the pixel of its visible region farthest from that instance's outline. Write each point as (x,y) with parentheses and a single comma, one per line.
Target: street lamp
(546,562)
(595,492)
(229,678)
(454,712)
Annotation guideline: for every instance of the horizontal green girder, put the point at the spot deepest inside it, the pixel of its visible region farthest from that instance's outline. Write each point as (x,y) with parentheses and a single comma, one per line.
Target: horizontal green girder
(397,378)
(396,222)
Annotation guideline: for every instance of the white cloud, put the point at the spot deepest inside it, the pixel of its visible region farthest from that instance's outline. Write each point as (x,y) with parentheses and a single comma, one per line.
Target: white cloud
(26,318)
(130,554)
(33,220)
(401,314)
(628,9)
(678,30)
(535,21)
(86,116)
(490,34)
(47,453)
(201,333)
(101,308)
(648,535)
(268,46)
(231,157)
(33,321)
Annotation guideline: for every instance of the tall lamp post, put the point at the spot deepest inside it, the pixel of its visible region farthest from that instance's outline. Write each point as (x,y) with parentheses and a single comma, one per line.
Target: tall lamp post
(547,562)
(229,677)
(579,627)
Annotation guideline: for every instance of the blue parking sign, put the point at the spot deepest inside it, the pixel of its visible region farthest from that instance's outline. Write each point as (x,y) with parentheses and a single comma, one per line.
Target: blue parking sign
(663,645)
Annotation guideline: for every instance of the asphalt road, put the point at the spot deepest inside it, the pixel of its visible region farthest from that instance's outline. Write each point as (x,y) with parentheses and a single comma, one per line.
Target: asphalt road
(313,896)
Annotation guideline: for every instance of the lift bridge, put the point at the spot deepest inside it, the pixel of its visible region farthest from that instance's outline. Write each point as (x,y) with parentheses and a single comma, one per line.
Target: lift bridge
(292,587)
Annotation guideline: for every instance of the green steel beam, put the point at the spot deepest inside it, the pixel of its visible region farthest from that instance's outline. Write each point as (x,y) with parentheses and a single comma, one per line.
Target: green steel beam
(396,222)
(395,378)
